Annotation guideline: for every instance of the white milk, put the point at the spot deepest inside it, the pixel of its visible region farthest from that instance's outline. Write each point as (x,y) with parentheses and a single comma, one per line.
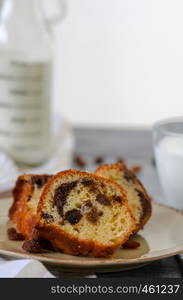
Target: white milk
(26,59)
(25,109)
(169,159)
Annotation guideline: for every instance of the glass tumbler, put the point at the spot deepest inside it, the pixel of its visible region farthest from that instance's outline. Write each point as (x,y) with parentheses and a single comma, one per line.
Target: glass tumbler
(168,148)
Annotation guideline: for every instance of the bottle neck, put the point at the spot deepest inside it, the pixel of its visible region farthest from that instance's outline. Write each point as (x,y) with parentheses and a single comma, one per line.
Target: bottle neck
(23,28)
(22,10)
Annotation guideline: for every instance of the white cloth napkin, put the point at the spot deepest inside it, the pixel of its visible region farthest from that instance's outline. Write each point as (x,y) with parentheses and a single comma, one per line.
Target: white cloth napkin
(31,268)
(23,268)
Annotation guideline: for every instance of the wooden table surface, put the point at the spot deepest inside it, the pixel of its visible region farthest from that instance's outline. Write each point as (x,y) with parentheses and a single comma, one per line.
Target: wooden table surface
(135,146)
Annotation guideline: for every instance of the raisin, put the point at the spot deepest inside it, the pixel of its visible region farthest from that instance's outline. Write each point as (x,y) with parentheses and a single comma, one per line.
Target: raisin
(127,175)
(120,160)
(100,213)
(47,217)
(33,246)
(40,180)
(73,216)
(29,197)
(94,215)
(102,199)
(88,203)
(99,159)
(136,169)
(46,245)
(61,195)
(86,206)
(87,182)
(13,235)
(131,245)
(117,199)
(93,189)
(79,161)
(22,181)
(144,202)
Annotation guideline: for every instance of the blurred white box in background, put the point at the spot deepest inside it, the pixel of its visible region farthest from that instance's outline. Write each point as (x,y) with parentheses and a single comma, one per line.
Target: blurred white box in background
(119,62)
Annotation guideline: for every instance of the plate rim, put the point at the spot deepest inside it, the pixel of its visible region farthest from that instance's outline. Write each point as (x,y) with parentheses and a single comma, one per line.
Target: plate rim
(98,263)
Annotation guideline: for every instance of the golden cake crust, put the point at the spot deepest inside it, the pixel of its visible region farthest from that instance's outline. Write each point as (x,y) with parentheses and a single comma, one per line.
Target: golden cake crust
(69,243)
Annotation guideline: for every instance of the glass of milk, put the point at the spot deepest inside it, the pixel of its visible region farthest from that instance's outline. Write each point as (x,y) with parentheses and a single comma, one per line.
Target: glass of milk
(168,147)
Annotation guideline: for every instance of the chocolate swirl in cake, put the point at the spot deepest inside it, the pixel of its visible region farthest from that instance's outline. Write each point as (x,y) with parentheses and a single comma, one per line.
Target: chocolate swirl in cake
(40,180)
(61,195)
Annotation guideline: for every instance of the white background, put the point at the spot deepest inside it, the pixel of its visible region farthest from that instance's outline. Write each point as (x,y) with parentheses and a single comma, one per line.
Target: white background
(119,61)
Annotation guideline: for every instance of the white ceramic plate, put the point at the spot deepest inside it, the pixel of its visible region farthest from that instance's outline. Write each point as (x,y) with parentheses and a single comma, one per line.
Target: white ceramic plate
(162,237)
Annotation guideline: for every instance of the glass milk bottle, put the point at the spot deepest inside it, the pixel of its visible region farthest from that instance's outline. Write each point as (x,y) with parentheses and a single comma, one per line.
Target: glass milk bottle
(25,81)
